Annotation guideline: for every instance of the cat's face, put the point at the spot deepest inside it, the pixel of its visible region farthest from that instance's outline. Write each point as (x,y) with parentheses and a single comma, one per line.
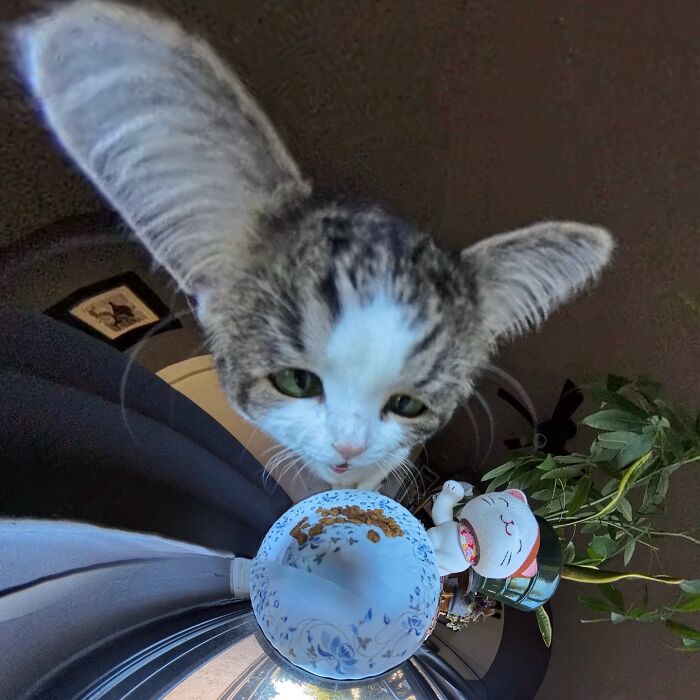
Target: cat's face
(506,533)
(353,340)
(341,331)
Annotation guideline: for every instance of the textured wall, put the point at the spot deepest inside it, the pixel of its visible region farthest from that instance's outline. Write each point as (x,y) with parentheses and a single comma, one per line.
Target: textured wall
(470,118)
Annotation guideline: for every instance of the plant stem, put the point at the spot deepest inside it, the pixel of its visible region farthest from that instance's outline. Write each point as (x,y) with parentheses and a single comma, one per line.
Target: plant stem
(662,533)
(675,465)
(683,462)
(694,540)
(592,503)
(589,574)
(624,528)
(641,482)
(618,493)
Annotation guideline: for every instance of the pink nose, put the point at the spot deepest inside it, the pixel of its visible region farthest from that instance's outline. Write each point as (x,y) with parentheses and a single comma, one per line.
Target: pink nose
(350,451)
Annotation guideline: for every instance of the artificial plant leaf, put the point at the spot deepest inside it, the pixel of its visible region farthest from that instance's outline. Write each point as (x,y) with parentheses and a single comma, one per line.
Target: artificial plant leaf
(662,488)
(562,473)
(640,606)
(637,397)
(616,440)
(600,454)
(542,495)
(649,617)
(597,619)
(614,419)
(662,422)
(609,487)
(545,625)
(554,506)
(682,630)
(691,586)
(583,488)
(547,463)
(503,469)
(691,605)
(613,595)
(612,399)
(634,449)
(629,551)
(571,459)
(647,386)
(530,480)
(625,507)
(520,475)
(569,553)
(650,491)
(590,527)
(615,382)
(674,445)
(594,603)
(603,545)
(498,481)
(691,645)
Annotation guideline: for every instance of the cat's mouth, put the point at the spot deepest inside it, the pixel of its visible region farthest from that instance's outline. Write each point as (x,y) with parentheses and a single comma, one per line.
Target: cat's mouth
(341,468)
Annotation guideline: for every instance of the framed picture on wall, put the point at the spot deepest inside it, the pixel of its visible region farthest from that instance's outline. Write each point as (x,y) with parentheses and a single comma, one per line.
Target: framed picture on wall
(120,310)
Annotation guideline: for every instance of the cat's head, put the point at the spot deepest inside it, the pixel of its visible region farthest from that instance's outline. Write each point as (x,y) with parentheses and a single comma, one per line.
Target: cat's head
(506,532)
(340,329)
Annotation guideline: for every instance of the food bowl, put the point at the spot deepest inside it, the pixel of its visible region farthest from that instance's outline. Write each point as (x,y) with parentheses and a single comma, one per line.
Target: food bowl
(345,585)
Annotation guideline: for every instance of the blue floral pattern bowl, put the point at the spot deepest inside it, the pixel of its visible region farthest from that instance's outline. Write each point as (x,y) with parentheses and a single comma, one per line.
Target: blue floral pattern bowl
(346,585)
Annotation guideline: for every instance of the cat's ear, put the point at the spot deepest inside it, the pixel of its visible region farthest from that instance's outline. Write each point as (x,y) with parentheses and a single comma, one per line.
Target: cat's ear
(163,128)
(520,277)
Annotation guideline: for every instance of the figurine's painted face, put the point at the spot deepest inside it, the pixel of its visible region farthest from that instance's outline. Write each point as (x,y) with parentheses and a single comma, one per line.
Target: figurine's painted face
(506,532)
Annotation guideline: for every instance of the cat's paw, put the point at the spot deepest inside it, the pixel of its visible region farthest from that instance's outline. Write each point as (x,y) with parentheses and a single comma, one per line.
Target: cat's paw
(453,489)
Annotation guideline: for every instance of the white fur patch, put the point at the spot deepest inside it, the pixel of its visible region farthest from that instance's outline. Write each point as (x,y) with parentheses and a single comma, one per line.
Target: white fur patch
(361,367)
(369,345)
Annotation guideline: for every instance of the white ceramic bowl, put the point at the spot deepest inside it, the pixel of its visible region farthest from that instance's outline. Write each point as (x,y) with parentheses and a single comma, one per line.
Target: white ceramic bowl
(343,603)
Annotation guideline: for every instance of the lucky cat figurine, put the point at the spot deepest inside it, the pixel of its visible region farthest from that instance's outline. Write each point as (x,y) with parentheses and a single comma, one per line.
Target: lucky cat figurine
(495,533)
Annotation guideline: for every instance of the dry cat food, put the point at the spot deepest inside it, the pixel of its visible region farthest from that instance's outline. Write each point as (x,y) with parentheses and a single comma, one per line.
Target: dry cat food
(347,514)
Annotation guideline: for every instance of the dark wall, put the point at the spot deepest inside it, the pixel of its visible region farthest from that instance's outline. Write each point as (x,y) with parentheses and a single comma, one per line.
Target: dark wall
(471,118)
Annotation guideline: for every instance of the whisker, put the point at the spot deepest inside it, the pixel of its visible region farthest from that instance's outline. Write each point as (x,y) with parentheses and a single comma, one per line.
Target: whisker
(427,458)
(409,468)
(132,359)
(299,474)
(249,440)
(275,462)
(492,429)
(475,427)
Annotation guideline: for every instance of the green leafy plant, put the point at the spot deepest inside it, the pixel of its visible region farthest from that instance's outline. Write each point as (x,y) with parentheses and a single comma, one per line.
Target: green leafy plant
(545,625)
(604,503)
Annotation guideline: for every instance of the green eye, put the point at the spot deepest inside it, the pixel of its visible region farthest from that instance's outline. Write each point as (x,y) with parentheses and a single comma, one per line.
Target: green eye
(297,383)
(404,405)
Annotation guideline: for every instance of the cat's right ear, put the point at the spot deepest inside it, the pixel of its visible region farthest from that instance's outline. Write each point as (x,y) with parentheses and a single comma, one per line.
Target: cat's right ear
(164,129)
(522,276)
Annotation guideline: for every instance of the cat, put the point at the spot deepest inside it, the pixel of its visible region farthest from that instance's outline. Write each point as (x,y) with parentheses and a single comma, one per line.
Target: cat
(341,330)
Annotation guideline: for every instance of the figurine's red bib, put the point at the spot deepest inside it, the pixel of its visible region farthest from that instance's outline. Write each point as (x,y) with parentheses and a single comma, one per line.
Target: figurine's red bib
(467,542)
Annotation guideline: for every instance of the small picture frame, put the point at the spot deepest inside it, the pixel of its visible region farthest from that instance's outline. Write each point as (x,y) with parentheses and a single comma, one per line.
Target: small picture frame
(120,311)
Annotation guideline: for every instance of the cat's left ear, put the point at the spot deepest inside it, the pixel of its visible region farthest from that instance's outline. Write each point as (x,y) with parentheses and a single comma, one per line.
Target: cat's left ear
(522,276)
(164,129)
